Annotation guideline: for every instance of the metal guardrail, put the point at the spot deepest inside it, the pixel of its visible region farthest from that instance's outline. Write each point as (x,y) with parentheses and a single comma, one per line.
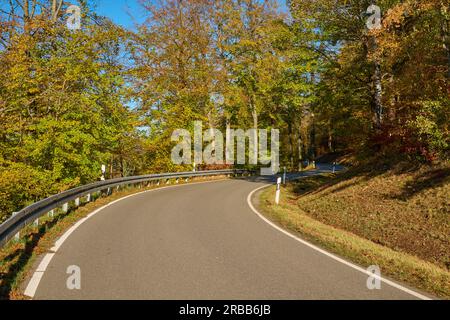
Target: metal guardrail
(29,214)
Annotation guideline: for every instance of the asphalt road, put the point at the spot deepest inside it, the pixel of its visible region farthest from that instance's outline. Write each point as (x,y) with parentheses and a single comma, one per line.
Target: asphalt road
(199,241)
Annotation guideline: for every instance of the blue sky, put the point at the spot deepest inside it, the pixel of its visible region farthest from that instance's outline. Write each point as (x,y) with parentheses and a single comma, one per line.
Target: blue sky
(127,12)
(123,12)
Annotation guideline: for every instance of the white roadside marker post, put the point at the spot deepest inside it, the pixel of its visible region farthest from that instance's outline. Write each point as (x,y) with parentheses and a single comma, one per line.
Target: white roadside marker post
(277,195)
(102,178)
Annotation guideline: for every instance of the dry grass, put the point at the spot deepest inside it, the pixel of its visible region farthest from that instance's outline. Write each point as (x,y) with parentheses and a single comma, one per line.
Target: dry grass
(395,218)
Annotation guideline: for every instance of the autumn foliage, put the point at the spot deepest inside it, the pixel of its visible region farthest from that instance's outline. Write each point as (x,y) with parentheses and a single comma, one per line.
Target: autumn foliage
(72,100)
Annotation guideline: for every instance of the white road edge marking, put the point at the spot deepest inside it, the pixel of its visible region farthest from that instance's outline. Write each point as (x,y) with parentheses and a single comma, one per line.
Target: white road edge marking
(33,284)
(330,255)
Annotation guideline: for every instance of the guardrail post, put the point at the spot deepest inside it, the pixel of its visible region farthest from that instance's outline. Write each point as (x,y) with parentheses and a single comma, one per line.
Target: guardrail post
(51,213)
(17,235)
(65,207)
(167,181)
(157,184)
(284,176)
(36,222)
(334,167)
(88,197)
(77,202)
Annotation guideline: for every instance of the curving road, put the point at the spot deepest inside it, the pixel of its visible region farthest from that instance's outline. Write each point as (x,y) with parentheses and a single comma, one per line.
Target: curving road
(197,241)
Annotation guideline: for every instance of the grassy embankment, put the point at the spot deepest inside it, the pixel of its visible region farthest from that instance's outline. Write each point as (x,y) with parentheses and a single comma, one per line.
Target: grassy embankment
(396,218)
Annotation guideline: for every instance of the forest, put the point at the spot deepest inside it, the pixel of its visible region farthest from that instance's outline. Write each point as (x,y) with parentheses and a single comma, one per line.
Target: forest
(72,100)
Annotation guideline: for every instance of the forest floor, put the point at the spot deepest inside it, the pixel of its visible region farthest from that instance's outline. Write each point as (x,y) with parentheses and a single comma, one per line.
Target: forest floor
(396,217)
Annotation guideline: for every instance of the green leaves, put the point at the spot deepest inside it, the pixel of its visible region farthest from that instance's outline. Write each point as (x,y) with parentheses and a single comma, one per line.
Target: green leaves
(63,112)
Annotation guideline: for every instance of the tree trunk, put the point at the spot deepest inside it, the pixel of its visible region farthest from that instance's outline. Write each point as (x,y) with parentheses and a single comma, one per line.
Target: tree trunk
(291,145)
(378,94)
(211,131)
(229,145)
(56,8)
(26,17)
(330,137)
(300,151)
(255,134)
(376,103)
(312,149)
(445,30)
(312,144)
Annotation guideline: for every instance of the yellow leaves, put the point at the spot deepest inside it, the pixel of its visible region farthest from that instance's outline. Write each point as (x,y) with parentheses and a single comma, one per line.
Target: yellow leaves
(395,16)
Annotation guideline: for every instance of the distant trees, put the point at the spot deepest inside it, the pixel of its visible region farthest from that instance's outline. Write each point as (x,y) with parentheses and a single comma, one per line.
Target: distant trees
(188,53)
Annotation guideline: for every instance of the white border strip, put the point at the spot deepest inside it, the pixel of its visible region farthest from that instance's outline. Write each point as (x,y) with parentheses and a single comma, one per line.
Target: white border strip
(33,284)
(330,255)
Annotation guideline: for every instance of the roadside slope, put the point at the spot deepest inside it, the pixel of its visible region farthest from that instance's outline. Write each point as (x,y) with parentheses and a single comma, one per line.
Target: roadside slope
(395,217)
